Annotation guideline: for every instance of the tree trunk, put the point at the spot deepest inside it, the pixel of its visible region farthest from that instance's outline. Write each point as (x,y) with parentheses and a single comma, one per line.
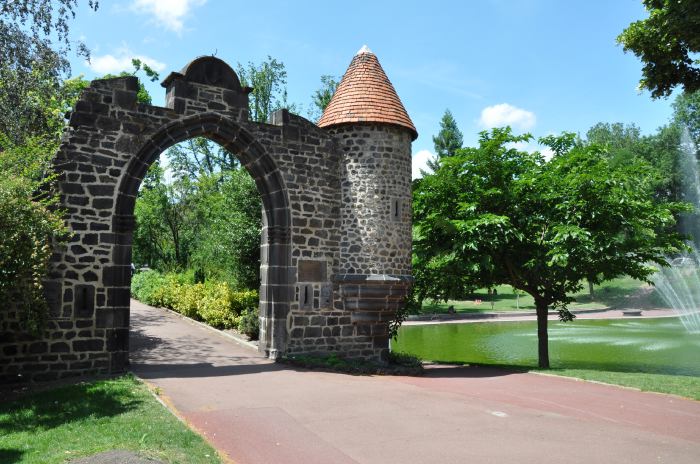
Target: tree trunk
(542,338)
(590,289)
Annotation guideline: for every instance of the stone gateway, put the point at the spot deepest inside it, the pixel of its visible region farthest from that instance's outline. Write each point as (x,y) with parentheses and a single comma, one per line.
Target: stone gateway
(336,238)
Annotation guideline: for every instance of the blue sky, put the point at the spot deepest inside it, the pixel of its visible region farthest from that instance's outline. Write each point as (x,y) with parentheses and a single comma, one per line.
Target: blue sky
(544,66)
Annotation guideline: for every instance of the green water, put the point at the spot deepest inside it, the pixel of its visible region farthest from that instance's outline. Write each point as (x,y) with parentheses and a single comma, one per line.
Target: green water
(643,345)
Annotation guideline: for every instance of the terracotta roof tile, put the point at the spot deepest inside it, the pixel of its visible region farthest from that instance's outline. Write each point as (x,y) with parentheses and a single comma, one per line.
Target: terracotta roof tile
(365,94)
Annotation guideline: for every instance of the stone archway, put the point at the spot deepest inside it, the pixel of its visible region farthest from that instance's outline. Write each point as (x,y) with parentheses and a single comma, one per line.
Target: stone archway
(275,246)
(336,234)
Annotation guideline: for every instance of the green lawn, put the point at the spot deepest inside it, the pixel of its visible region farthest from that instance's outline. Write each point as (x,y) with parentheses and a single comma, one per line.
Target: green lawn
(609,294)
(680,385)
(80,420)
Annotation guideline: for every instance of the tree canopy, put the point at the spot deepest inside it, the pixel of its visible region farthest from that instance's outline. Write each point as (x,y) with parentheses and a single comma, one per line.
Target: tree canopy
(322,96)
(667,42)
(34,41)
(494,215)
(269,82)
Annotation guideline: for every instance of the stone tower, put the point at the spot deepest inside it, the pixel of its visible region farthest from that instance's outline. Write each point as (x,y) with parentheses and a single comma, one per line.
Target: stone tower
(374,133)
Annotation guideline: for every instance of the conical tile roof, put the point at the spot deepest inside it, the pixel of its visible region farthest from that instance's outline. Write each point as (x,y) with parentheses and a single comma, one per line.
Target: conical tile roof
(365,94)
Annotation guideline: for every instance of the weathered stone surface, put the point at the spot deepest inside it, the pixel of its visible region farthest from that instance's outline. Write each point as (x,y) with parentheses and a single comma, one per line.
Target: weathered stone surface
(336,238)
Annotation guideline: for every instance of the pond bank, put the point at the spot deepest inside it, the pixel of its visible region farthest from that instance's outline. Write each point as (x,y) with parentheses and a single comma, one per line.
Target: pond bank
(505,316)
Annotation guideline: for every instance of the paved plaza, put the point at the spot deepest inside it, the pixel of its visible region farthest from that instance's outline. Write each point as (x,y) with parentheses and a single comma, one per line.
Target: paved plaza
(256,411)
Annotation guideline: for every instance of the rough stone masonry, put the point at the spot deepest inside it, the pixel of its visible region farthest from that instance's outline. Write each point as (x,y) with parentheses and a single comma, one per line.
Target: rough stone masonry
(336,239)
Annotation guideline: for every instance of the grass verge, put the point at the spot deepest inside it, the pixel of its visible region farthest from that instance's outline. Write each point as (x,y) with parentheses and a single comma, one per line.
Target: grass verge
(399,364)
(609,294)
(681,385)
(84,419)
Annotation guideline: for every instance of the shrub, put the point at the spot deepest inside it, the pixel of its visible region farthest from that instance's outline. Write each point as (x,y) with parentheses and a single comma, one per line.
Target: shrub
(216,308)
(249,323)
(184,298)
(145,285)
(29,226)
(212,302)
(245,300)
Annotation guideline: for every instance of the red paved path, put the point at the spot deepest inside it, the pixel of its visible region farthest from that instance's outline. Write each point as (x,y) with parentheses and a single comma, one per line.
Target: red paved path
(256,411)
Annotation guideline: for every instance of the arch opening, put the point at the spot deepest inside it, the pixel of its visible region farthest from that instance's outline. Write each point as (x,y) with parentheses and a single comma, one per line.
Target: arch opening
(275,222)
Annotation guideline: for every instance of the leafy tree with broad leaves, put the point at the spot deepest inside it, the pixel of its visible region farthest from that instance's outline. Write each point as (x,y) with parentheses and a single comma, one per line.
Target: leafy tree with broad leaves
(200,156)
(33,99)
(228,247)
(668,44)
(167,222)
(207,217)
(624,144)
(495,215)
(269,82)
(322,96)
(448,140)
(34,40)
(31,225)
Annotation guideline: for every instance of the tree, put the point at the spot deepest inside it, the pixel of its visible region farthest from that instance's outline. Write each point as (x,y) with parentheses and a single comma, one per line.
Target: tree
(495,215)
(166,222)
(33,100)
(200,156)
(624,144)
(667,42)
(322,97)
(33,43)
(269,83)
(448,140)
(206,217)
(228,247)
(142,96)
(31,225)
(686,113)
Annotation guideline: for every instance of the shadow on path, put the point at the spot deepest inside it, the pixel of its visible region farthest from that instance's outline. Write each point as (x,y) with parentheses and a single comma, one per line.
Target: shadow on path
(163,345)
(469,372)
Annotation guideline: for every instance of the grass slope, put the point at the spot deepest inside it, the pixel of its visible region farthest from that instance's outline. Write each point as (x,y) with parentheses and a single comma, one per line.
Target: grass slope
(84,419)
(681,385)
(609,294)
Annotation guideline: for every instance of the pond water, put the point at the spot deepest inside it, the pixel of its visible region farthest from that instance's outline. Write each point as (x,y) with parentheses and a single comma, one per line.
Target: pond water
(642,345)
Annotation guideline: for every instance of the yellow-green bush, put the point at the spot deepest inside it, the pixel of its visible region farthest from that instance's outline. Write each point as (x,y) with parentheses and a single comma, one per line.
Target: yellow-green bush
(245,300)
(186,298)
(216,308)
(212,302)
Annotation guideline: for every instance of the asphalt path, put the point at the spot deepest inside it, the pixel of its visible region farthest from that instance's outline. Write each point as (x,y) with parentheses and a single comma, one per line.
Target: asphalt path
(256,411)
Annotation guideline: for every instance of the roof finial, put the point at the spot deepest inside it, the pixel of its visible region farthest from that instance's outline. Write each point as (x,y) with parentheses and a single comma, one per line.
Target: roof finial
(364,49)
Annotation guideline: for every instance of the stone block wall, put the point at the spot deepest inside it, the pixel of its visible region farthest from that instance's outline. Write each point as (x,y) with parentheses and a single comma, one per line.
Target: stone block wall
(336,224)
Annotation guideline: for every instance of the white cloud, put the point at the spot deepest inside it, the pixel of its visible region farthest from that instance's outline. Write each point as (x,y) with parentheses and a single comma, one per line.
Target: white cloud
(532,146)
(547,152)
(420,162)
(105,64)
(169,14)
(507,115)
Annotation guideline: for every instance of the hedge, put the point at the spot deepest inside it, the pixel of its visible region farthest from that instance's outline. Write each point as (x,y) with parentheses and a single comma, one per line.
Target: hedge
(212,302)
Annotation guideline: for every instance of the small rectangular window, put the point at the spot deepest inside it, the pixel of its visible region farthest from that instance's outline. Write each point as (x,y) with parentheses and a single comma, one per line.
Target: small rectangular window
(396,209)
